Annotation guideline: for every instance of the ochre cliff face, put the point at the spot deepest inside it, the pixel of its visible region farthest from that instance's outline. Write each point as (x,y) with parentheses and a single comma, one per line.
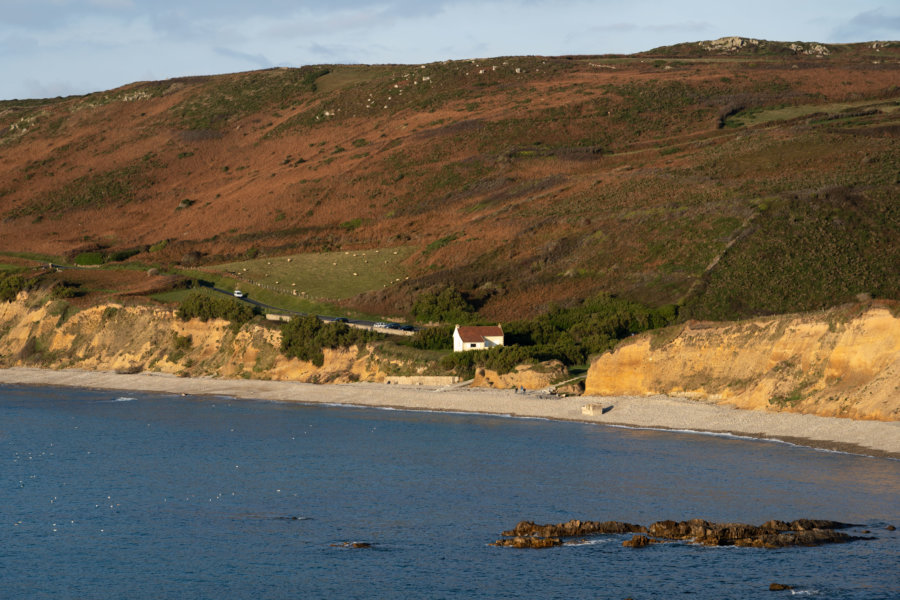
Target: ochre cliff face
(843,362)
(528,376)
(115,337)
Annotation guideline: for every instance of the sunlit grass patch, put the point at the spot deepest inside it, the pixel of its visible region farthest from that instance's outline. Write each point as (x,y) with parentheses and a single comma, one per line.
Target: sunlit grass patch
(323,276)
(758,116)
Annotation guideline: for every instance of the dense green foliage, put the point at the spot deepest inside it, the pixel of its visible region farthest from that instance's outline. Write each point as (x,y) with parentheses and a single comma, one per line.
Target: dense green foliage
(807,253)
(306,337)
(446,306)
(204,307)
(570,335)
(573,334)
(10,286)
(433,338)
(502,359)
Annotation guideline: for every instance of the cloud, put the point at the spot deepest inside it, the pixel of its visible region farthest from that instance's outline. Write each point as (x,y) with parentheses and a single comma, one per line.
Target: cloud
(50,89)
(870,25)
(254,59)
(682,27)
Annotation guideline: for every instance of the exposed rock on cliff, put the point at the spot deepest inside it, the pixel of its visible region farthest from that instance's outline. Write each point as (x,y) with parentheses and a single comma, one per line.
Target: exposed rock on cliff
(843,362)
(531,377)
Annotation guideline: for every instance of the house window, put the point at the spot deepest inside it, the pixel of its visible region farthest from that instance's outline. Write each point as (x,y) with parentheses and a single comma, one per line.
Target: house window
(473,345)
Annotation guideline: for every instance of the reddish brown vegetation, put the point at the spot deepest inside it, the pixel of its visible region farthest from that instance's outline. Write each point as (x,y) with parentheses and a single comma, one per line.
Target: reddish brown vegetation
(546,185)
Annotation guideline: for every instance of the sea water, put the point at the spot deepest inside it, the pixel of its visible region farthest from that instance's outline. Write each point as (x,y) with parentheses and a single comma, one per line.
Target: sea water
(113,495)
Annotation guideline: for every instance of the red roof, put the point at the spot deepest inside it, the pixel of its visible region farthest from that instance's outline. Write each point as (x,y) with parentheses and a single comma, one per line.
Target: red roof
(472,334)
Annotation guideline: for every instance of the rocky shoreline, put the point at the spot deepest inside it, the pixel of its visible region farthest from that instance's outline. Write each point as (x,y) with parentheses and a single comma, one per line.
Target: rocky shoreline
(771,534)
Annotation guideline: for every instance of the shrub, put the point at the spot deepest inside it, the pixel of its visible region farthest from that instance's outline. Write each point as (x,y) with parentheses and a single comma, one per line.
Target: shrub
(446,306)
(10,286)
(306,337)
(573,334)
(204,307)
(182,342)
(433,338)
(502,359)
(67,290)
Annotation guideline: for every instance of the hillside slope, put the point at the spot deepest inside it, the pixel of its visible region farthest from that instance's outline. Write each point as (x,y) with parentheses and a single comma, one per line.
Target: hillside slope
(736,178)
(844,362)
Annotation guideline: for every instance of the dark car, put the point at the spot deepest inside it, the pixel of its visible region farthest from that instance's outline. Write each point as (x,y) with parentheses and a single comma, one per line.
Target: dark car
(407,328)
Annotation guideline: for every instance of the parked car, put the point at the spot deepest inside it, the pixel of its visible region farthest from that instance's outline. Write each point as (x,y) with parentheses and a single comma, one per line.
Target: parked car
(381,325)
(407,328)
(238,294)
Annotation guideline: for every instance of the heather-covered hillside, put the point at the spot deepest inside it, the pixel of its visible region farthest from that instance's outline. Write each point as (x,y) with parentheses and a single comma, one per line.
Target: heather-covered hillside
(734,178)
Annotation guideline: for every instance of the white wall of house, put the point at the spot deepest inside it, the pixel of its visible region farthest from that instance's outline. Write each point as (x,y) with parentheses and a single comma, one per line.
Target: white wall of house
(493,340)
(486,342)
(459,346)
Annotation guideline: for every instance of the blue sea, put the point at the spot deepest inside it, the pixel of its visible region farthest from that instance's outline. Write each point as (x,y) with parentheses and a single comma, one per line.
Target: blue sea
(131,495)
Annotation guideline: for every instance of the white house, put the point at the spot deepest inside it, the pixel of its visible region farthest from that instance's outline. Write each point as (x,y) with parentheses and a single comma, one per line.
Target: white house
(476,337)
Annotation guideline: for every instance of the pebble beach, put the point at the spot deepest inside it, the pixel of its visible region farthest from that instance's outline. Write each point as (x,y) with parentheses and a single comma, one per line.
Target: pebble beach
(873,438)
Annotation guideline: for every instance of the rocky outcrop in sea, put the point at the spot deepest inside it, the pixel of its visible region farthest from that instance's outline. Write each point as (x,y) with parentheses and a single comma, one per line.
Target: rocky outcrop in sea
(771,534)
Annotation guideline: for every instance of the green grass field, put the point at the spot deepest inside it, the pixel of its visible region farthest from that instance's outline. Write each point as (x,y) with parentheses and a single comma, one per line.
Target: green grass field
(322,276)
(760,116)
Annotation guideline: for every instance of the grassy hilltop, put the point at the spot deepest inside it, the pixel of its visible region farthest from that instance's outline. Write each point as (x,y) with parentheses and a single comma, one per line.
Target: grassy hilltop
(732,178)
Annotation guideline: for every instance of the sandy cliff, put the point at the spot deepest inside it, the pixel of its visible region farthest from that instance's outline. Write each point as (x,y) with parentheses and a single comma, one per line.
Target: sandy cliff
(843,362)
(115,337)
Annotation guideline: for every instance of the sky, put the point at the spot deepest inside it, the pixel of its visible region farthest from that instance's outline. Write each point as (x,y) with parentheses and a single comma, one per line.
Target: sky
(54,48)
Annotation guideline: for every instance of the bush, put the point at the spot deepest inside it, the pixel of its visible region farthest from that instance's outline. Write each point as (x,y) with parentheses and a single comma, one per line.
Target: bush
(502,359)
(573,334)
(204,307)
(67,289)
(182,342)
(446,306)
(306,337)
(433,338)
(10,286)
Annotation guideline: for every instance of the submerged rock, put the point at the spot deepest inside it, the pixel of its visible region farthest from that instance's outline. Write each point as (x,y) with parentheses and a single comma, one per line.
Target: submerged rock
(638,541)
(528,541)
(777,587)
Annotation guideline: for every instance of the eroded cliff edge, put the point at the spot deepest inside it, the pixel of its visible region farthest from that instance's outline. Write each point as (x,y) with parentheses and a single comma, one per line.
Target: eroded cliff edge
(130,338)
(844,362)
